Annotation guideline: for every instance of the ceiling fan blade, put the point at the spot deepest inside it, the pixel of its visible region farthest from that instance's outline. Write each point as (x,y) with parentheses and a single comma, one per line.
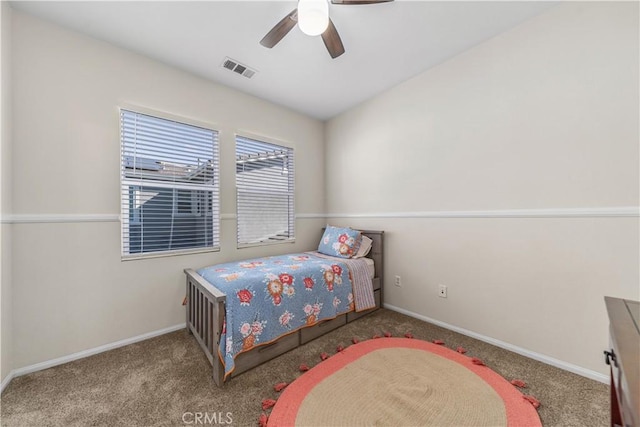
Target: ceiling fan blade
(359,1)
(280,30)
(332,40)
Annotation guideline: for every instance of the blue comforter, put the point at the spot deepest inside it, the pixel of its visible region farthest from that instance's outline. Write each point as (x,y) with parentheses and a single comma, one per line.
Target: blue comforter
(270,297)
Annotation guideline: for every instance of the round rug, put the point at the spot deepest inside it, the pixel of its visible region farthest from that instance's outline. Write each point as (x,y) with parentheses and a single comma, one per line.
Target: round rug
(401,382)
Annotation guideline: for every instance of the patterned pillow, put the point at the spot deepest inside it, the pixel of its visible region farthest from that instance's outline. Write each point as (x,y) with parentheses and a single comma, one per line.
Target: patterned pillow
(340,242)
(365,247)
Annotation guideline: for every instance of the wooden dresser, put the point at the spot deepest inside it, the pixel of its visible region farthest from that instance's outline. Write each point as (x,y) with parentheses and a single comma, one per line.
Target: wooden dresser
(624,360)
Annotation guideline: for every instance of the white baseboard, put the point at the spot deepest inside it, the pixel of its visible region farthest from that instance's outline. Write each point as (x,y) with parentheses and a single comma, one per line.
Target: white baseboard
(6,381)
(111,346)
(597,376)
(86,353)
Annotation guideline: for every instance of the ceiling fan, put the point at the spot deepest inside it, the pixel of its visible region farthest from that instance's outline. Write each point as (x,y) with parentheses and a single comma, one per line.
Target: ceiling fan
(312,16)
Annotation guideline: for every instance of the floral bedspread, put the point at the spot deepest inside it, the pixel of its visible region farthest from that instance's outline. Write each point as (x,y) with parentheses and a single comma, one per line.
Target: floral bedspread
(270,297)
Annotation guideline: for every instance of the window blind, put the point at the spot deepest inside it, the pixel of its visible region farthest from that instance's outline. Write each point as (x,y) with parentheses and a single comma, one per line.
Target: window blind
(169,186)
(265,192)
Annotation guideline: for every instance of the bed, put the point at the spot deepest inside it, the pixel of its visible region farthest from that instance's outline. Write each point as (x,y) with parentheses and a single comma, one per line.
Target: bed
(226,303)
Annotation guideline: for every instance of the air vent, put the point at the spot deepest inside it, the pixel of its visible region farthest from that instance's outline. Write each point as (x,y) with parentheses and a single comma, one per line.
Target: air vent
(236,67)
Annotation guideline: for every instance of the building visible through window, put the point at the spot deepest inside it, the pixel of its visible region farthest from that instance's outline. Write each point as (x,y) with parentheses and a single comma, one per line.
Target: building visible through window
(169,175)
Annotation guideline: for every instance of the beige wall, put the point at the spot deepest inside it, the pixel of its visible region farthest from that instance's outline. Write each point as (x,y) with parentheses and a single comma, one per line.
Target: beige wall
(5,187)
(72,290)
(542,117)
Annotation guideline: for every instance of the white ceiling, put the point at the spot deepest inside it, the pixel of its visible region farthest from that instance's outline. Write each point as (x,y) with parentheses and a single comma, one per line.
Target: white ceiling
(385,43)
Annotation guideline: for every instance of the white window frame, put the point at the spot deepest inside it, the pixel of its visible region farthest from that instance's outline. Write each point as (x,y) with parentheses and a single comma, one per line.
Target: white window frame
(291,217)
(214,188)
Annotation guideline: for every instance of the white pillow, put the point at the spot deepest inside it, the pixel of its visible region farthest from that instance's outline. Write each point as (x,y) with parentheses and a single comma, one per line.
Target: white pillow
(365,247)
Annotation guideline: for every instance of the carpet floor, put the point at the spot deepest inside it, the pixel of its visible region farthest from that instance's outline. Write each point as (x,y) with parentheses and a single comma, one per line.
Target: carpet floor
(165,381)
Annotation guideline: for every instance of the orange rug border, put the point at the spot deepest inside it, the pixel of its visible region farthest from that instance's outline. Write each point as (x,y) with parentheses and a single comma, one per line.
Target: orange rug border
(519,412)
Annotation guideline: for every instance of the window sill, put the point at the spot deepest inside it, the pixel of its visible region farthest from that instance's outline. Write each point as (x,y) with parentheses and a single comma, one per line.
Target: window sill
(253,245)
(164,254)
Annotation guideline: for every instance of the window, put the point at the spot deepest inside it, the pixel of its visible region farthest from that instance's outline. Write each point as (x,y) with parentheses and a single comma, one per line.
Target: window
(264,181)
(169,176)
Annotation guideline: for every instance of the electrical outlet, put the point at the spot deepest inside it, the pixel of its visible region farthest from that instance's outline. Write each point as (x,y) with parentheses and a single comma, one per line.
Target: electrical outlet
(398,282)
(442,291)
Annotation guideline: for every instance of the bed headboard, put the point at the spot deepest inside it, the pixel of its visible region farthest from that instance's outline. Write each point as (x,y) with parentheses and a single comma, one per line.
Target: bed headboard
(377,249)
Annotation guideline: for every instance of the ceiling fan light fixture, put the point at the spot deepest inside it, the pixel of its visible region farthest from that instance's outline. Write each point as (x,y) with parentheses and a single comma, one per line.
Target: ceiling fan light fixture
(313,16)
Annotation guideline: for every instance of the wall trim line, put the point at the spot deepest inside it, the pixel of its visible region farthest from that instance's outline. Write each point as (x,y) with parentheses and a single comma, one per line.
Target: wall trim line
(597,376)
(86,353)
(78,218)
(58,218)
(617,211)
(609,212)
(311,215)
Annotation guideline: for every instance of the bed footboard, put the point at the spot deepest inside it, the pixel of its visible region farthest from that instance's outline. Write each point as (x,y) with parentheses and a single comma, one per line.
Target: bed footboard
(205,318)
